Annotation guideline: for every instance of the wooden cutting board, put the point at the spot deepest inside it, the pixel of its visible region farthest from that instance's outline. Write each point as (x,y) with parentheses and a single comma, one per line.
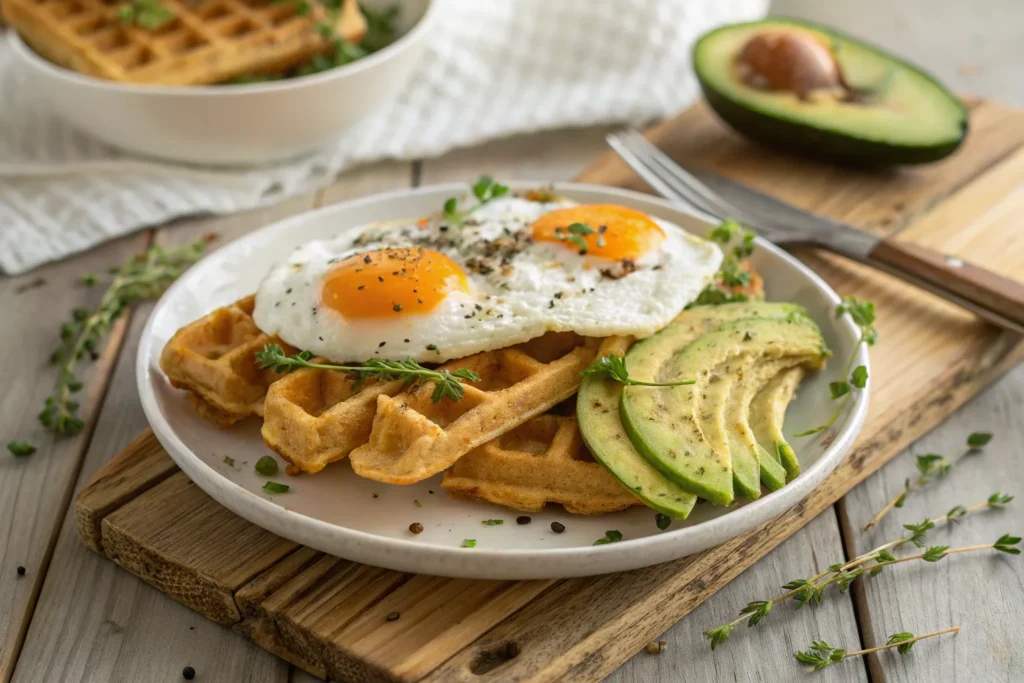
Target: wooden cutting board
(330,616)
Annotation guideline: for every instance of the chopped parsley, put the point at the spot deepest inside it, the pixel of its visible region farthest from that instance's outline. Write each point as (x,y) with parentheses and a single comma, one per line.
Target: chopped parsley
(147,14)
(274,487)
(229,461)
(469,543)
(266,466)
(493,522)
(612,536)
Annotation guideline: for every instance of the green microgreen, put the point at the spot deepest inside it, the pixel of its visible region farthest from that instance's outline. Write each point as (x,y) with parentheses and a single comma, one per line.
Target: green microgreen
(142,277)
(20,448)
(274,487)
(737,245)
(469,543)
(493,522)
(821,654)
(147,14)
(266,466)
(614,367)
(863,315)
(811,591)
(447,383)
(929,466)
(484,190)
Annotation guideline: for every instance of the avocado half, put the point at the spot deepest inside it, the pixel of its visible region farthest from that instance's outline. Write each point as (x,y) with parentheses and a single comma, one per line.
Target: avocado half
(898,114)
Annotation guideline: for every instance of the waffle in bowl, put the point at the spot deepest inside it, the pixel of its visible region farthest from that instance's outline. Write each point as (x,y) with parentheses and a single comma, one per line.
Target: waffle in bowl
(314,417)
(213,359)
(541,461)
(206,41)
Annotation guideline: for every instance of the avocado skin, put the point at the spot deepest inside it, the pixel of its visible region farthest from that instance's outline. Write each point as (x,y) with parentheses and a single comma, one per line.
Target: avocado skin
(816,143)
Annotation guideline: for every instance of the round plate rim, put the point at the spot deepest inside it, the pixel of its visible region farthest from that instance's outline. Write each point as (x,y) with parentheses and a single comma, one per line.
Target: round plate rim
(520,564)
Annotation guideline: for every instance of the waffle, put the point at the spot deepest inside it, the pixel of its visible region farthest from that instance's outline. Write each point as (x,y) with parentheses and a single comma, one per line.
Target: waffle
(414,438)
(207,41)
(541,461)
(213,359)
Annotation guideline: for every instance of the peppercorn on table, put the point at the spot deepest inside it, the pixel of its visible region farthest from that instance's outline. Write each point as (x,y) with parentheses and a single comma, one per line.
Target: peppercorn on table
(69,614)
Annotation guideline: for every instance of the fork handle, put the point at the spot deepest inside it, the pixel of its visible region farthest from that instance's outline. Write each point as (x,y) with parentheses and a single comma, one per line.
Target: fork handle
(951,275)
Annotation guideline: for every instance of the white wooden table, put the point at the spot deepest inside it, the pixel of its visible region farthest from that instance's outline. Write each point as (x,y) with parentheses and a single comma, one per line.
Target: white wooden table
(75,616)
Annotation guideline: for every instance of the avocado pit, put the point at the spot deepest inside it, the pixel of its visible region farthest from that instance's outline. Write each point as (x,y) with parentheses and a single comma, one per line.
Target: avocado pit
(789,60)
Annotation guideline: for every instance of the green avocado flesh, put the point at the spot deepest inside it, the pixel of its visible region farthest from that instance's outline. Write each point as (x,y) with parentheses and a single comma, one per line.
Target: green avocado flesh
(900,114)
(682,430)
(597,412)
(767,413)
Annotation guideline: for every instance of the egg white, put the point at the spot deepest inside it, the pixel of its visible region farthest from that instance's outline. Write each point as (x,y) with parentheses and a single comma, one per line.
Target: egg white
(518,289)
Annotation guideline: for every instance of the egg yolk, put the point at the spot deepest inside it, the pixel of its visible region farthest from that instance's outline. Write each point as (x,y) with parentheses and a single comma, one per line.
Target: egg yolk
(604,230)
(391,282)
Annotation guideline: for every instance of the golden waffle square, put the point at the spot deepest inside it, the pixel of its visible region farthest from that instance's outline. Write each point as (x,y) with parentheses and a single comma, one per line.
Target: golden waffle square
(541,461)
(413,438)
(207,41)
(214,359)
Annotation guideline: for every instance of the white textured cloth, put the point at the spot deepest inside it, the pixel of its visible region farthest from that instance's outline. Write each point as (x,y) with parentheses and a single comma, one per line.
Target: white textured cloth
(494,68)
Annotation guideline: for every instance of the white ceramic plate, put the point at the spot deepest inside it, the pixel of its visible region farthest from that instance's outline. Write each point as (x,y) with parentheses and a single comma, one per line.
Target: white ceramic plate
(366,521)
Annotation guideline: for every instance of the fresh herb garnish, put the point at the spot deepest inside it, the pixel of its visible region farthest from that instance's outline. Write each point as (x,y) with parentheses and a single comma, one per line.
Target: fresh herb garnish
(469,543)
(931,465)
(737,245)
(266,466)
(493,522)
(863,314)
(448,384)
(484,189)
(142,277)
(811,591)
(614,367)
(147,14)
(821,654)
(274,487)
(21,448)
(229,461)
(611,536)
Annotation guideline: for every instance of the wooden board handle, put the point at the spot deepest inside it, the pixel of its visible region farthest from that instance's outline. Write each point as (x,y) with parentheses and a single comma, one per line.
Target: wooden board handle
(950,274)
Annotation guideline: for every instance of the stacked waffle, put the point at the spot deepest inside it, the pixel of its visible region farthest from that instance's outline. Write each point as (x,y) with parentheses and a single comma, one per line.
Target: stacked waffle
(179,42)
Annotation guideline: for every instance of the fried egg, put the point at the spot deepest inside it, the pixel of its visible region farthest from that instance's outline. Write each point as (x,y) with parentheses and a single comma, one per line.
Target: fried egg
(513,269)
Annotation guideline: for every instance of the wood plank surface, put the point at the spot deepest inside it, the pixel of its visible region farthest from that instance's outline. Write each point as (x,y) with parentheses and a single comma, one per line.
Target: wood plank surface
(980,592)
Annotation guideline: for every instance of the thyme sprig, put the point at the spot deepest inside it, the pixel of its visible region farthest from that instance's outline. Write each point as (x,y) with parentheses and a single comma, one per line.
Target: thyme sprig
(931,465)
(142,277)
(447,384)
(863,314)
(485,189)
(821,654)
(614,367)
(812,590)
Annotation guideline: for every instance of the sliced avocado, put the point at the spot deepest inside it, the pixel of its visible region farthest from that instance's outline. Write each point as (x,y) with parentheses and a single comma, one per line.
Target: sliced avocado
(714,402)
(597,412)
(742,445)
(768,414)
(801,87)
(663,422)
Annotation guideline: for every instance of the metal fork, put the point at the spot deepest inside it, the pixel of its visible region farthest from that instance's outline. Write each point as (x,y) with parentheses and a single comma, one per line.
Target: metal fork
(993,297)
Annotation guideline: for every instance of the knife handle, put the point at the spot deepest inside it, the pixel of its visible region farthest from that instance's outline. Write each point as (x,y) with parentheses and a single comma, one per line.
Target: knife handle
(951,275)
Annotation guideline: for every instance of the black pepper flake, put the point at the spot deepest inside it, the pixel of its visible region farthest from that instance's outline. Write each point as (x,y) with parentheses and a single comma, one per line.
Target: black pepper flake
(397,308)
(557,527)
(367,259)
(523,519)
(288,291)
(415,528)
(381,345)
(361,287)
(419,301)
(188,673)
(406,341)
(380,278)
(480,308)
(393,616)
(320,338)
(433,347)
(21,570)
(558,295)
(376,496)
(430,492)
